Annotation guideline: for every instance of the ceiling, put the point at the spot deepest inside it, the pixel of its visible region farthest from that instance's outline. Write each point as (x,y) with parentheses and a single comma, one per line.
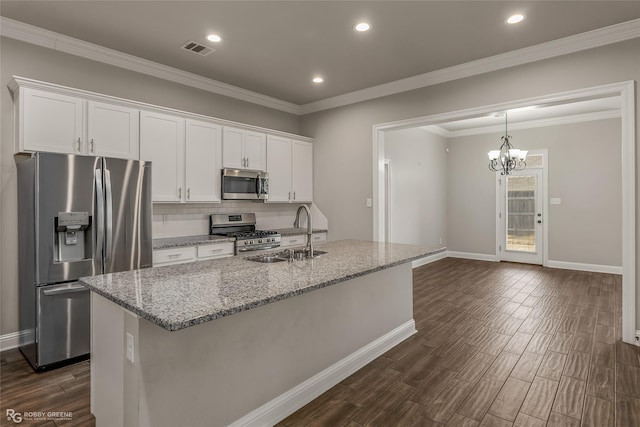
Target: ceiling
(275,47)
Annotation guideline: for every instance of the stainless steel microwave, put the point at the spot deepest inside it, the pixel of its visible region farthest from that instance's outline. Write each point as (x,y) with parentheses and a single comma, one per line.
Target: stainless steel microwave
(242,184)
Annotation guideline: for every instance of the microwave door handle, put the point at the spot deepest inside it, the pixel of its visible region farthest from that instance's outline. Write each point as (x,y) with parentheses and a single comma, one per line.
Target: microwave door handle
(258,186)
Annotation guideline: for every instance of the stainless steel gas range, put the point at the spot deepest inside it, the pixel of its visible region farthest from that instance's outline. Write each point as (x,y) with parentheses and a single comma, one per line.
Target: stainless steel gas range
(243,228)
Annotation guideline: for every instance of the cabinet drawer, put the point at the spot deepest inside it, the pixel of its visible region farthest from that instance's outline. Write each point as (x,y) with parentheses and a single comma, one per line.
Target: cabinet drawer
(215,251)
(319,237)
(174,256)
(298,240)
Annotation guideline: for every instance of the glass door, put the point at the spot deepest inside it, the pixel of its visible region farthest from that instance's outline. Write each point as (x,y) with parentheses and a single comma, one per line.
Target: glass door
(521,217)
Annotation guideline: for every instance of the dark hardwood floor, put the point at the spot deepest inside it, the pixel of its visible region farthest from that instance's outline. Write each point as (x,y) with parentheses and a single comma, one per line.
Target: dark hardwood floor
(61,390)
(498,344)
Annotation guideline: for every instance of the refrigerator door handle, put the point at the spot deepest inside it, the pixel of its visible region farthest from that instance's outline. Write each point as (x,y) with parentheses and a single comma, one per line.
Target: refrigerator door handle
(99,214)
(70,290)
(109,215)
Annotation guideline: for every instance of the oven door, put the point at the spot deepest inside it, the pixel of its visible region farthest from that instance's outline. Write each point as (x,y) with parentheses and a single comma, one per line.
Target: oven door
(240,184)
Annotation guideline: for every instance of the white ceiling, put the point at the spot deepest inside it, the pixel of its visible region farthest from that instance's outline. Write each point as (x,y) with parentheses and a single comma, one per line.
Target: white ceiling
(532,116)
(275,47)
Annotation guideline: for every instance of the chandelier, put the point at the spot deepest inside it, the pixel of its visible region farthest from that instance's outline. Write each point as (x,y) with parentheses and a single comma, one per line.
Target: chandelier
(508,158)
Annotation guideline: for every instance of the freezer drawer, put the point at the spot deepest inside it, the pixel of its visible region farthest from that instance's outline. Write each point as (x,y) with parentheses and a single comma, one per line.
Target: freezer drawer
(63,327)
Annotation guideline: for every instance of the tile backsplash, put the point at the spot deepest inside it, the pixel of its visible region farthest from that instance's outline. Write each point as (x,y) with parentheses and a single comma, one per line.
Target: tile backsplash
(175,220)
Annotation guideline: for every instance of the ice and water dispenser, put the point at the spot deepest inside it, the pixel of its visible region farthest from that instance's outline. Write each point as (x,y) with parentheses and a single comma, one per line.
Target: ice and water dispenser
(73,236)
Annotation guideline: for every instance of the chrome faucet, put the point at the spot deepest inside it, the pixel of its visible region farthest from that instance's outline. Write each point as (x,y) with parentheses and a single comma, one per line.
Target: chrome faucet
(296,224)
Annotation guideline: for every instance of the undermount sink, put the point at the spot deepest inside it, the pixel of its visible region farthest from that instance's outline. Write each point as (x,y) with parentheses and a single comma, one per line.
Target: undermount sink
(266,258)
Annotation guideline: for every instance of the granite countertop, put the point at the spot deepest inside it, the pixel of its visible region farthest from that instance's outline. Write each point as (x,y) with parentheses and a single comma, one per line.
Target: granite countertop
(178,296)
(175,242)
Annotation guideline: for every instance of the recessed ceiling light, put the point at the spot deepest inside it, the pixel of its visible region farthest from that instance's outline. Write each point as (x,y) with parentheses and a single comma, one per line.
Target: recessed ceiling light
(214,38)
(515,18)
(318,79)
(362,26)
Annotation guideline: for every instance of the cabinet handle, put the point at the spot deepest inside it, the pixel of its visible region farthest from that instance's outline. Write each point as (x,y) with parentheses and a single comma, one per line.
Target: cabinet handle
(289,195)
(175,255)
(78,145)
(180,193)
(247,165)
(188,193)
(294,195)
(92,145)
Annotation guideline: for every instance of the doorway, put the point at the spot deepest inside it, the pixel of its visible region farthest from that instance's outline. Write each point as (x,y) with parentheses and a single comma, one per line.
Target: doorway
(520,219)
(625,92)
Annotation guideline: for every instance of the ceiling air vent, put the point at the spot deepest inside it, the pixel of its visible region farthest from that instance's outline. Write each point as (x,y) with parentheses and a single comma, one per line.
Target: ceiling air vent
(194,47)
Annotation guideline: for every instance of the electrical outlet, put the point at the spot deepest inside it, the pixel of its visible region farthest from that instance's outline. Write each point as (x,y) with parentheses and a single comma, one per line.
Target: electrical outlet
(638,338)
(369,203)
(130,352)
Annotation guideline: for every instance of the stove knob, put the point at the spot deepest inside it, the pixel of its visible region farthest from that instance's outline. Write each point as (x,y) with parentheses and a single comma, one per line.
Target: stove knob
(251,242)
(260,241)
(268,240)
(245,242)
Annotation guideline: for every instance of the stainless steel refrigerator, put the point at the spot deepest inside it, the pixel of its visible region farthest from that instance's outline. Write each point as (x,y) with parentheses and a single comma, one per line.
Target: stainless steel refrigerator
(78,216)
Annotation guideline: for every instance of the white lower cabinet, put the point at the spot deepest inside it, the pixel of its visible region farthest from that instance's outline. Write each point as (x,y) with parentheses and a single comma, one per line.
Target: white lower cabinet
(172,256)
(301,239)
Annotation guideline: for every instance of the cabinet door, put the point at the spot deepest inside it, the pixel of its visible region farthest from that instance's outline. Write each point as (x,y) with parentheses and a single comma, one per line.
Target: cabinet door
(162,142)
(302,171)
(232,140)
(203,165)
(50,122)
(279,168)
(112,131)
(255,150)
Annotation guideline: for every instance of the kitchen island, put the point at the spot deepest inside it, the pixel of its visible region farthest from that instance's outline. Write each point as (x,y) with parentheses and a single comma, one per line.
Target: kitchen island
(231,341)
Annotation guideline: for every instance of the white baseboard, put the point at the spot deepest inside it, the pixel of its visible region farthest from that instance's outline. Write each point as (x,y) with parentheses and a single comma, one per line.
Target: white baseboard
(594,268)
(428,259)
(287,403)
(12,340)
(470,255)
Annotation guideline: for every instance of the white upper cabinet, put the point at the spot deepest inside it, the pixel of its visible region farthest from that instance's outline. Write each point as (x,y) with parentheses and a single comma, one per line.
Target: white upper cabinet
(203,163)
(112,130)
(243,149)
(49,122)
(162,142)
(53,122)
(279,168)
(302,171)
(290,167)
(185,156)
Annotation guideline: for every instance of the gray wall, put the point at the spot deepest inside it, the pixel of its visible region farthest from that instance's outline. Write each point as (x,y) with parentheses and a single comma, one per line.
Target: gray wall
(343,135)
(418,186)
(584,171)
(26,60)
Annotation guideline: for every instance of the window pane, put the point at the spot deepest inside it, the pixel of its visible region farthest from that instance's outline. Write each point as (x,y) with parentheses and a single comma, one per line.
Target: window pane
(521,214)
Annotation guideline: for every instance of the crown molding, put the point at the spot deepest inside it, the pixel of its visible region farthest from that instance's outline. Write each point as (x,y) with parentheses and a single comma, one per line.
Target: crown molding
(530,124)
(49,39)
(576,43)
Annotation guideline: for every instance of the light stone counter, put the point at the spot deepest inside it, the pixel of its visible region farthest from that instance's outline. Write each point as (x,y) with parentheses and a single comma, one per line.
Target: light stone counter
(175,242)
(179,296)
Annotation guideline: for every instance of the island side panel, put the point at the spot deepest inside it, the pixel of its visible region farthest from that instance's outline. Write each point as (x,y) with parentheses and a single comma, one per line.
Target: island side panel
(217,372)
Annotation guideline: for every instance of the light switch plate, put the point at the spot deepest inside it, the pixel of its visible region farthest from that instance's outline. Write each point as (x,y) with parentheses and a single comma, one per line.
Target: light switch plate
(555,200)
(130,353)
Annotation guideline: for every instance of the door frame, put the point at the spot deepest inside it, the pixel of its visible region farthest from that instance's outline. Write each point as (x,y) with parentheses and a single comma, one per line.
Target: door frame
(626,91)
(545,209)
